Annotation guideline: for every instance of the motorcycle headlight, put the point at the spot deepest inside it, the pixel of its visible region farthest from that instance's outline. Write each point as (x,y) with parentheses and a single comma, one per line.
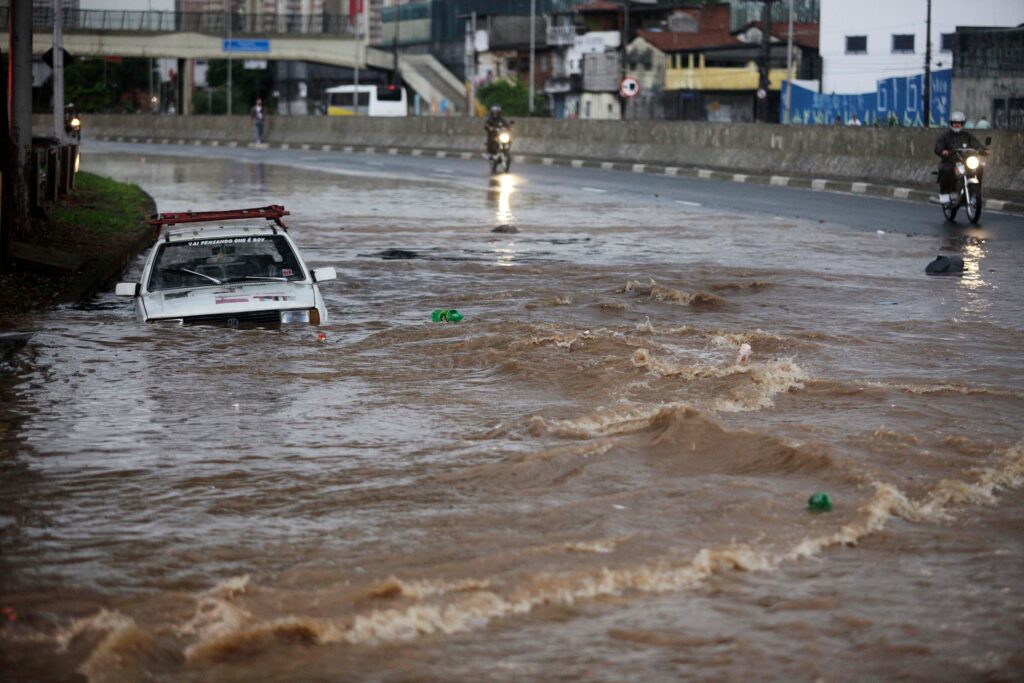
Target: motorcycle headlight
(972,162)
(291,317)
(504,138)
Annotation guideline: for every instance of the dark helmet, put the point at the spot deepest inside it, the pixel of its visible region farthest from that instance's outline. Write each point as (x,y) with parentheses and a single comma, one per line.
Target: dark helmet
(957,117)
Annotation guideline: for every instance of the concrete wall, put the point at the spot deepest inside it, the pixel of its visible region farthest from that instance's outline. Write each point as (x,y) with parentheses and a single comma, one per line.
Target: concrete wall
(880,19)
(904,157)
(975,96)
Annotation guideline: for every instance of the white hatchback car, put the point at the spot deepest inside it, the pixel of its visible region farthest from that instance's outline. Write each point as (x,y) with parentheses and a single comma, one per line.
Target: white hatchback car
(238,275)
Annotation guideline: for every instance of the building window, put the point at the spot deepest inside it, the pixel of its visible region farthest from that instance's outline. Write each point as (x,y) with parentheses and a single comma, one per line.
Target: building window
(947,41)
(903,42)
(856,45)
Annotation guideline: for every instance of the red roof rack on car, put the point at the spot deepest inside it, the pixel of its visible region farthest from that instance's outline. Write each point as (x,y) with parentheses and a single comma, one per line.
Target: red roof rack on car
(271,213)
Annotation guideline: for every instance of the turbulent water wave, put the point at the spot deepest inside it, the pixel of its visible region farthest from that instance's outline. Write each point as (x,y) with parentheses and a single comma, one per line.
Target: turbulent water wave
(662,294)
(766,380)
(691,442)
(760,340)
(444,608)
(944,388)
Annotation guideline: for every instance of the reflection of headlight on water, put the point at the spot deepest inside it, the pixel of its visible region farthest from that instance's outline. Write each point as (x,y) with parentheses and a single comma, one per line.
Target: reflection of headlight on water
(504,138)
(505,190)
(972,163)
(973,254)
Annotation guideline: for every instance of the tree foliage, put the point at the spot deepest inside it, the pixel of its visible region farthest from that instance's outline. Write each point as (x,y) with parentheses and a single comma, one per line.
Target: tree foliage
(512,97)
(246,86)
(100,85)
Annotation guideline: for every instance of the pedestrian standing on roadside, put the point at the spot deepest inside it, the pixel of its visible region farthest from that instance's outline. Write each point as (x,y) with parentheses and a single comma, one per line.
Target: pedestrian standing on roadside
(256,117)
(854,121)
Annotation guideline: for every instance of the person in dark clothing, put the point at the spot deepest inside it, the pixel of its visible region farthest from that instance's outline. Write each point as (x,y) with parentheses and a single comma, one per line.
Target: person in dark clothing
(493,125)
(954,138)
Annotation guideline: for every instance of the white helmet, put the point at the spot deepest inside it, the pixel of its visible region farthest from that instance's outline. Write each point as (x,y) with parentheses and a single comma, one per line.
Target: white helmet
(957,117)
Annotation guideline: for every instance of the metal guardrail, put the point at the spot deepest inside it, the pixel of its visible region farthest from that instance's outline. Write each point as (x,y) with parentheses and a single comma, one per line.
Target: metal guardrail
(212,23)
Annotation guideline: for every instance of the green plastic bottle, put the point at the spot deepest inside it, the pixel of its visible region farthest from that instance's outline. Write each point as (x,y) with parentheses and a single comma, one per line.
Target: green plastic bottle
(446,315)
(820,502)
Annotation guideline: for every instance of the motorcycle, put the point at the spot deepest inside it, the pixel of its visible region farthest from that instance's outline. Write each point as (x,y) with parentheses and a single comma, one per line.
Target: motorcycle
(72,123)
(502,158)
(968,168)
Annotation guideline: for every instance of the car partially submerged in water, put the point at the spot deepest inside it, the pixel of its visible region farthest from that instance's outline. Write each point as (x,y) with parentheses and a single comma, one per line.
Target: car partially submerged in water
(237,275)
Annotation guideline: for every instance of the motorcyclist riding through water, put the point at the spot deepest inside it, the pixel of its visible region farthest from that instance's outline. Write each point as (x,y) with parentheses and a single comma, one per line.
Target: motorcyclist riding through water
(953,139)
(493,124)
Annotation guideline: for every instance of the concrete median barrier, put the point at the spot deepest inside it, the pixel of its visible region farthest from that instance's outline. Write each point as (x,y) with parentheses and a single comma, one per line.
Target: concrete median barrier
(888,156)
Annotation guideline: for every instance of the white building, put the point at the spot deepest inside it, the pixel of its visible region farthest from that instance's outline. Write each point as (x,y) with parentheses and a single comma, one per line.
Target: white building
(868,40)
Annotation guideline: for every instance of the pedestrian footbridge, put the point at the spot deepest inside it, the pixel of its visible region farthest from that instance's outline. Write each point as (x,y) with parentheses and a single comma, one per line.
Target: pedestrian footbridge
(326,39)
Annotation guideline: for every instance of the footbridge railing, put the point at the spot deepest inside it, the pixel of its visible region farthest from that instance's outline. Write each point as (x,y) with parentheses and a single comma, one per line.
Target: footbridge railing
(211,23)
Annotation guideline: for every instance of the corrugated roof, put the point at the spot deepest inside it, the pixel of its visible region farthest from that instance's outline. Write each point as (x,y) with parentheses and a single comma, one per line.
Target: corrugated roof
(679,41)
(804,33)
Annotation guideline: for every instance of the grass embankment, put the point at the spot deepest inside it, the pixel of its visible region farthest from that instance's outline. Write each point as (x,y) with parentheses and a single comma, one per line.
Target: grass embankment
(99,212)
(79,242)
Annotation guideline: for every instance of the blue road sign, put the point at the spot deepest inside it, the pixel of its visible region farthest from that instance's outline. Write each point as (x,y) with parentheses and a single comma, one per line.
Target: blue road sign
(246,45)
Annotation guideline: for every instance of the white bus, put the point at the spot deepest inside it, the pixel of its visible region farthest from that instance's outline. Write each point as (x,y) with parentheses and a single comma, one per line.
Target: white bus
(370,100)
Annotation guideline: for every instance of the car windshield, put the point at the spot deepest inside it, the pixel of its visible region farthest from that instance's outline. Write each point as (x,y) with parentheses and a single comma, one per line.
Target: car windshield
(215,261)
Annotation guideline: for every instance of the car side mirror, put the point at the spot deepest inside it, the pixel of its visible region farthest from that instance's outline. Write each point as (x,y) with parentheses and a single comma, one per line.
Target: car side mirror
(988,141)
(127,289)
(324,274)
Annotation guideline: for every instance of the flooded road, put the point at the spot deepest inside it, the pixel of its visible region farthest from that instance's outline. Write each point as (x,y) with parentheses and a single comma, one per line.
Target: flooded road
(578,482)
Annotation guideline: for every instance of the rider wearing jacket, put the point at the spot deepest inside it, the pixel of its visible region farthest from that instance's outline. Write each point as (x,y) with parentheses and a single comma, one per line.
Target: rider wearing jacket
(493,125)
(954,138)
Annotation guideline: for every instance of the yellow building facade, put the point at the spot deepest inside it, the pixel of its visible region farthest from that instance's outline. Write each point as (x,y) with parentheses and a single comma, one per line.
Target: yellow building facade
(689,72)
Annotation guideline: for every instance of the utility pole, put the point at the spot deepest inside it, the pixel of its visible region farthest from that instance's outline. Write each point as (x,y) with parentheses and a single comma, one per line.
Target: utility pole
(470,58)
(19,168)
(58,71)
(533,12)
(766,47)
(394,43)
(928,69)
(625,53)
(231,20)
(789,66)
(359,56)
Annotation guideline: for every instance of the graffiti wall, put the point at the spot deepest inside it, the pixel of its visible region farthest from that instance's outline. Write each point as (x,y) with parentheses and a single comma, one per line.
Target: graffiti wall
(896,102)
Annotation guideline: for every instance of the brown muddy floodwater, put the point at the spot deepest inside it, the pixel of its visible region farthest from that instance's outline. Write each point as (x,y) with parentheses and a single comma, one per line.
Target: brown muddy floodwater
(578,482)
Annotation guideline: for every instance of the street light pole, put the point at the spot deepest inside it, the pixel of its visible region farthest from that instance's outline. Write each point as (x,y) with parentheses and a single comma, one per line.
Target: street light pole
(533,12)
(58,71)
